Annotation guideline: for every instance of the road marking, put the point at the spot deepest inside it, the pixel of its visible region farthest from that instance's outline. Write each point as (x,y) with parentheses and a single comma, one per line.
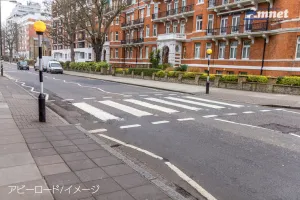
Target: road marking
(128,109)
(230,114)
(127,95)
(287,111)
(190,181)
(231,122)
(131,146)
(152,106)
(160,122)
(173,104)
(295,135)
(51,100)
(107,97)
(89,98)
(248,112)
(265,110)
(130,126)
(194,102)
(68,100)
(97,130)
(210,116)
(217,102)
(186,119)
(100,114)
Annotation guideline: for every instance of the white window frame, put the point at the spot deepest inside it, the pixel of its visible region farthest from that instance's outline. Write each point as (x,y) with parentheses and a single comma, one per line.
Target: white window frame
(168,28)
(154,30)
(233,50)
(130,52)
(222,46)
(147,31)
(117,20)
(182,27)
(236,21)
(111,36)
(142,13)
(175,25)
(153,49)
(117,36)
(142,33)
(208,46)
(200,2)
(224,26)
(141,52)
(247,47)
(116,53)
(146,52)
(199,22)
(197,50)
(148,10)
(298,48)
(210,18)
(155,8)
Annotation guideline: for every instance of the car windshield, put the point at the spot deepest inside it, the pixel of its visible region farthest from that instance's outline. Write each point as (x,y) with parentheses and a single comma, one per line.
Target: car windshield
(23,62)
(55,65)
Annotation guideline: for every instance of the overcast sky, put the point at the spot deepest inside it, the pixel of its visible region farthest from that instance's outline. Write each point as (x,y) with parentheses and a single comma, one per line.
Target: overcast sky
(7,7)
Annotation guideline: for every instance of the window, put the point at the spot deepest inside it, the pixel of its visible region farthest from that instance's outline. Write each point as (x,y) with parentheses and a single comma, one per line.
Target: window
(147,52)
(111,36)
(235,24)
(154,29)
(298,48)
(222,50)
(66,56)
(219,72)
(131,52)
(133,2)
(233,49)
(117,53)
(111,53)
(183,4)
(106,37)
(200,1)
(168,7)
(117,36)
(176,7)
(174,27)
(147,31)
(81,55)
(208,46)
(80,45)
(117,20)
(141,53)
(197,50)
(167,28)
(127,53)
(142,14)
(141,33)
(230,72)
(224,22)
(246,50)
(148,10)
(182,27)
(90,56)
(243,73)
(199,23)
(210,24)
(156,8)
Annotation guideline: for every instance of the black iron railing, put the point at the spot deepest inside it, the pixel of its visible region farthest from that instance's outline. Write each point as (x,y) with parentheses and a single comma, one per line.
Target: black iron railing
(138,40)
(175,11)
(131,41)
(213,3)
(133,22)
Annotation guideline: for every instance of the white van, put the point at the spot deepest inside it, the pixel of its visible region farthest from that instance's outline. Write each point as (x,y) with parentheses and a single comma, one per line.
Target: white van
(54,67)
(45,60)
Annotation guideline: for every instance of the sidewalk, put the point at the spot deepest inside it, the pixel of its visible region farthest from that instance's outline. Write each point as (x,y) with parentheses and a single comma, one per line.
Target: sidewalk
(54,160)
(280,100)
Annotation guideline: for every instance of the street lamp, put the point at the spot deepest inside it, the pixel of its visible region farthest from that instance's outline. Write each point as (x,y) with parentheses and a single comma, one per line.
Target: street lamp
(209,52)
(40,28)
(1,54)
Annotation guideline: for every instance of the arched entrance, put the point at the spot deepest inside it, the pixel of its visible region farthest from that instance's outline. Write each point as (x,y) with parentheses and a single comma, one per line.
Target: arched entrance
(165,55)
(104,55)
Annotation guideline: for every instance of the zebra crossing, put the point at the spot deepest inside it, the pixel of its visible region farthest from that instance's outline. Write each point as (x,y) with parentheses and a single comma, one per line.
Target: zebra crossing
(149,106)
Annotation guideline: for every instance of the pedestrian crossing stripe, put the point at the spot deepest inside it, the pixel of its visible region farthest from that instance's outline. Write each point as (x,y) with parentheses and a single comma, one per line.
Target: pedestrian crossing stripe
(195,102)
(152,106)
(173,104)
(216,102)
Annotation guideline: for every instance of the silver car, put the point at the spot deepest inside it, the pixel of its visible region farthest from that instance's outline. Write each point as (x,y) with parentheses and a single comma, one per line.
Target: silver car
(54,67)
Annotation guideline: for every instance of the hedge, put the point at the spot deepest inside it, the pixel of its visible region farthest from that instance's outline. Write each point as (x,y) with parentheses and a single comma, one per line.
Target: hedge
(173,73)
(161,74)
(147,72)
(258,79)
(190,75)
(289,80)
(204,77)
(88,66)
(229,78)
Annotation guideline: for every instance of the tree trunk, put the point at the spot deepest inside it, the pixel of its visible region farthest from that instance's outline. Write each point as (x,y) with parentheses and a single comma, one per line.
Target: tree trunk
(98,52)
(72,52)
(10,55)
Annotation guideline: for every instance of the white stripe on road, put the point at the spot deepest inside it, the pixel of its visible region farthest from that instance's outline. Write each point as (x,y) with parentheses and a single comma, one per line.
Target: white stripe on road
(130,126)
(100,114)
(152,106)
(97,130)
(160,122)
(295,135)
(230,114)
(248,112)
(217,102)
(89,98)
(231,122)
(194,102)
(210,116)
(287,111)
(265,110)
(186,119)
(173,104)
(128,109)
(68,100)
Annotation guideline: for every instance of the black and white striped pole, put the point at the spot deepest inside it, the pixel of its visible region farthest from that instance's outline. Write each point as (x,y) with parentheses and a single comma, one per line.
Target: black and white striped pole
(40,28)
(209,52)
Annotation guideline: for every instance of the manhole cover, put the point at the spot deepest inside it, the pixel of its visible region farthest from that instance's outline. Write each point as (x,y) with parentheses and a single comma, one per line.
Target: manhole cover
(282,128)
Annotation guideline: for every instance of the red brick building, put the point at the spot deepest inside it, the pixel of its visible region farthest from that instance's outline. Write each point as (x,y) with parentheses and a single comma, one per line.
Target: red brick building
(184,29)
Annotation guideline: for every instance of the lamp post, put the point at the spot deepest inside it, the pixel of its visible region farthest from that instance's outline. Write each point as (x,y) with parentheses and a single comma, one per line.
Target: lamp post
(209,52)
(40,28)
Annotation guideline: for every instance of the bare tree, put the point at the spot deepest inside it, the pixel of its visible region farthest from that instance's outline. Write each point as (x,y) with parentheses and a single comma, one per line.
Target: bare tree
(11,31)
(95,19)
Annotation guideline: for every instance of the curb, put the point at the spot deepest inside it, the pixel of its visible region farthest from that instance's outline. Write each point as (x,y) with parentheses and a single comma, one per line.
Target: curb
(282,106)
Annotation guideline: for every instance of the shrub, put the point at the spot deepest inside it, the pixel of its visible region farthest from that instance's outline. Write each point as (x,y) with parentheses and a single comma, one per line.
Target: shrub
(72,65)
(229,78)
(92,66)
(181,68)
(290,80)
(161,74)
(169,69)
(138,71)
(258,79)
(204,76)
(193,69)
(164,66)
(67,64)
(173,74)
(62,64)
(190,75)
(155,58)
(119,70)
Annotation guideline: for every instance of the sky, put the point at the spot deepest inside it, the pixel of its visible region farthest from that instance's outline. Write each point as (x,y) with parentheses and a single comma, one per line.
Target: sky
(6,7)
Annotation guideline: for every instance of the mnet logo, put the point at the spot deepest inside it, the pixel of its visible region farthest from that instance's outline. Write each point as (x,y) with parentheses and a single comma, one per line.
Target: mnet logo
(265,14)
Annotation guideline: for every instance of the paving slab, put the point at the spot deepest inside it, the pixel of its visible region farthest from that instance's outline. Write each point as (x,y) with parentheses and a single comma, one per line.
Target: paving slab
(74,156)
(148,192)
(131,180)
(72,193)
(106,185)
(97,153)
(40,145)
(118,170)
(91,174)
(67,178)
(106,161)
(11,131)
(10,139)
(13,148)
(122,194)
(16,159)
(89,147)
(48,160)
(81,164)
(61,143)
(67,149)
(43,152)
(54,169)
(36,139)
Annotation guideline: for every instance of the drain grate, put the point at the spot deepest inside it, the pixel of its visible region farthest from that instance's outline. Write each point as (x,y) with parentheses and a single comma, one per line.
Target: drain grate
(115,145)
(182,191)
(282,128)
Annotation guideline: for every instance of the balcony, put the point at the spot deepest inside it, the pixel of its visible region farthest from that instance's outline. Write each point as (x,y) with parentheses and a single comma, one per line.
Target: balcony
(171,36)
(222,5)
(133,24)
(177,13)
(132,42)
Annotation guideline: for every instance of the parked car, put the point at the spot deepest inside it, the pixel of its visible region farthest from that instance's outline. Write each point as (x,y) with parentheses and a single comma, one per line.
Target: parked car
(22,65)
(54,67)
(45,60)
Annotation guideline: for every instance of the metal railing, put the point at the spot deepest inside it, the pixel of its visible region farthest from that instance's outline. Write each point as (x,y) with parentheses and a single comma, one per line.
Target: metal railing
(132,41)
(238,29)
(175,11)
(133,22)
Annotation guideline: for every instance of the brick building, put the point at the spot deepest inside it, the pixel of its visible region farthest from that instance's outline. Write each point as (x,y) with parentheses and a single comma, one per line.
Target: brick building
(243,41)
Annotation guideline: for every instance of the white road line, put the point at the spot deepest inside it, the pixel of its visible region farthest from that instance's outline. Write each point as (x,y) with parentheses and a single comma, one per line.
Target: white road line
(100,114)
(287,111)
(230,114)
(210,116)
(160,122)
(131,146)
(248,112)
(295,135)
(186,119)
(173,104)
(190,181)
(265,110)
(98,130)
(152,106)
(107,97)
(194,102)
(130,126)
(89,98)
(217,102)
(231,122)
(67,100)
(128,109)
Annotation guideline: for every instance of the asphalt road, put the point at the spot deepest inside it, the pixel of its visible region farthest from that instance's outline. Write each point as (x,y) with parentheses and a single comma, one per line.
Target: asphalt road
(235,151)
